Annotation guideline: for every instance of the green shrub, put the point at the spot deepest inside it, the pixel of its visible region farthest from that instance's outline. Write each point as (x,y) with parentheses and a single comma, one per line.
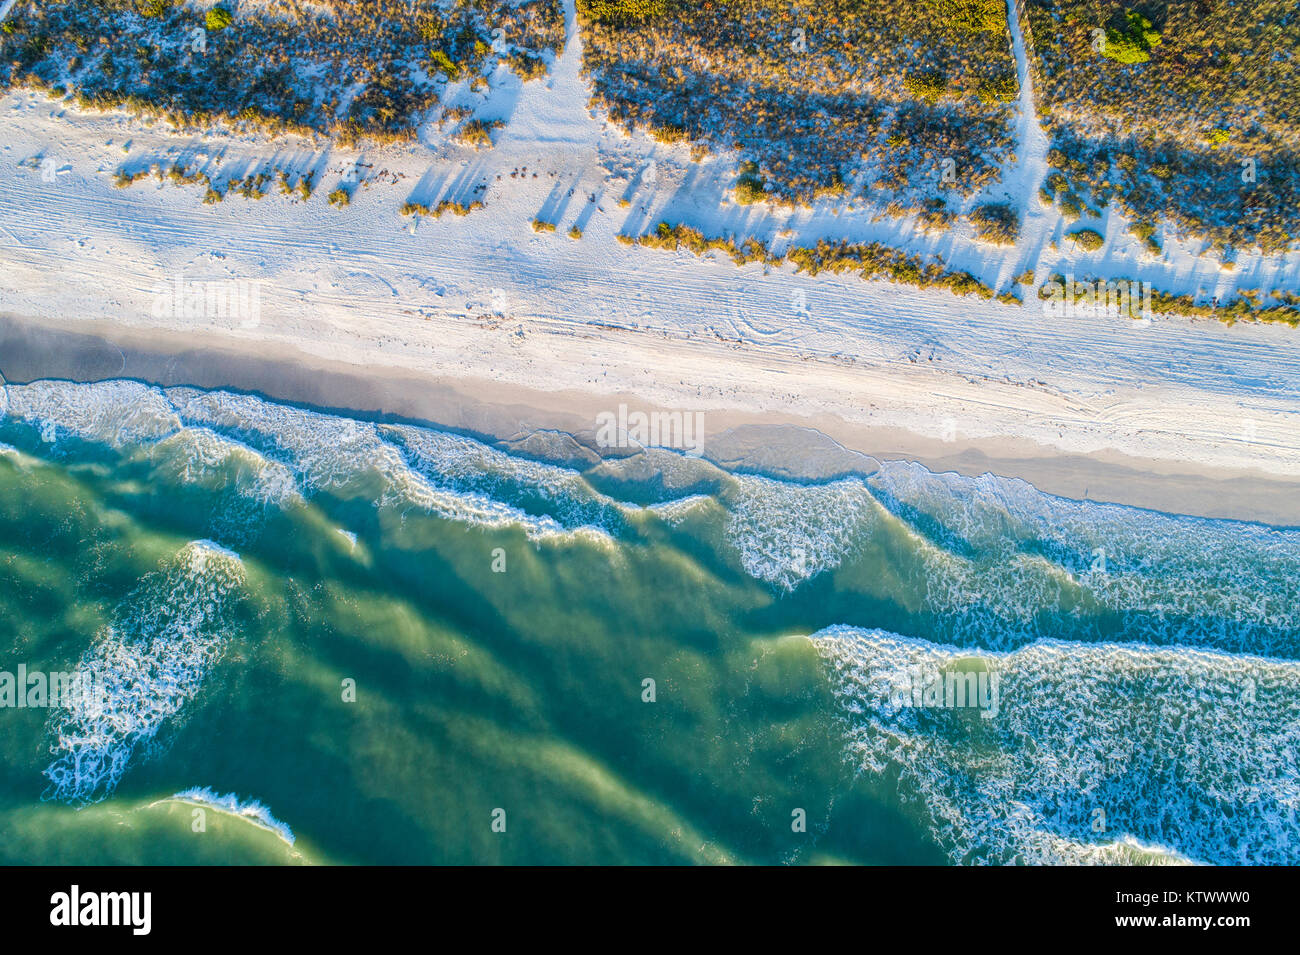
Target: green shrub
(995,223)
(1090,239)
(527,67)
(620,11)
(834,186)
(444,64)
(476,133)
(429,27)
(1002,89)
(1133,43)
(926,86)
(1142,230)
(456,208)
(540,226)
(217,19)
(971,16)
(669,134)
(339,197)
(750,186)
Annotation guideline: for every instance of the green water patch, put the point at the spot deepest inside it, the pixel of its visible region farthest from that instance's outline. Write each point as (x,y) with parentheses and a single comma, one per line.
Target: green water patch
(390,683)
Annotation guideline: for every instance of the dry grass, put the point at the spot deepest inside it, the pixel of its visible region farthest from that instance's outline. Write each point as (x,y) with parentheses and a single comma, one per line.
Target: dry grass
(998,224)
(872,261)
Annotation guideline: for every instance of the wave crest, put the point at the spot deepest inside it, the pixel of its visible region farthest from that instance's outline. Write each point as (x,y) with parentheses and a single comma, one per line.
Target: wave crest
(142,670)
(1169,747)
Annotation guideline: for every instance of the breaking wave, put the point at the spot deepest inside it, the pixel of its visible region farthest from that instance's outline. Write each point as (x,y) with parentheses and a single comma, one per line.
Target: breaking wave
(787,533)
(252,810)
(116,413)
(142,670)
(1095,753)
(1004,564)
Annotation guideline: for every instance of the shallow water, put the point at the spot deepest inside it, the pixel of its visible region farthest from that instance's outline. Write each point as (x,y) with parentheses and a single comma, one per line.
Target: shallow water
(230,570)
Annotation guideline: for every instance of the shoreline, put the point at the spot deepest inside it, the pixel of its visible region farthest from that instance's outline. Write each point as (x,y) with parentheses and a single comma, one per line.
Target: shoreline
(480,324)
(778,443)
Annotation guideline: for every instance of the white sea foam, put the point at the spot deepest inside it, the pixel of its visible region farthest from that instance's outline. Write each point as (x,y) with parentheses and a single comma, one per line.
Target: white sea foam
(677,510)
(144,669)
(1123,851)
(787,533)
(331,453)
(461,463)
(1005,563)
(201,456)
(1001,564)
(252,810)
(1188,753)
(274,454)
(115,413)
(127,414)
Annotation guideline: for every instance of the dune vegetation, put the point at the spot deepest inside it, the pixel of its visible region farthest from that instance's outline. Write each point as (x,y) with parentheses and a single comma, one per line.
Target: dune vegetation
(906,102)
(343,68)
(1185,112)
(870,260)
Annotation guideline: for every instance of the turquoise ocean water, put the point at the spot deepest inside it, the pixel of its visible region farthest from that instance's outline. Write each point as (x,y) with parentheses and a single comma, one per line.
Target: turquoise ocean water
(347,641)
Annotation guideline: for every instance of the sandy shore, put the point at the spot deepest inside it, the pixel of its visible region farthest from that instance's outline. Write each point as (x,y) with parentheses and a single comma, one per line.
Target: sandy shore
(775,442)
(481,324)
